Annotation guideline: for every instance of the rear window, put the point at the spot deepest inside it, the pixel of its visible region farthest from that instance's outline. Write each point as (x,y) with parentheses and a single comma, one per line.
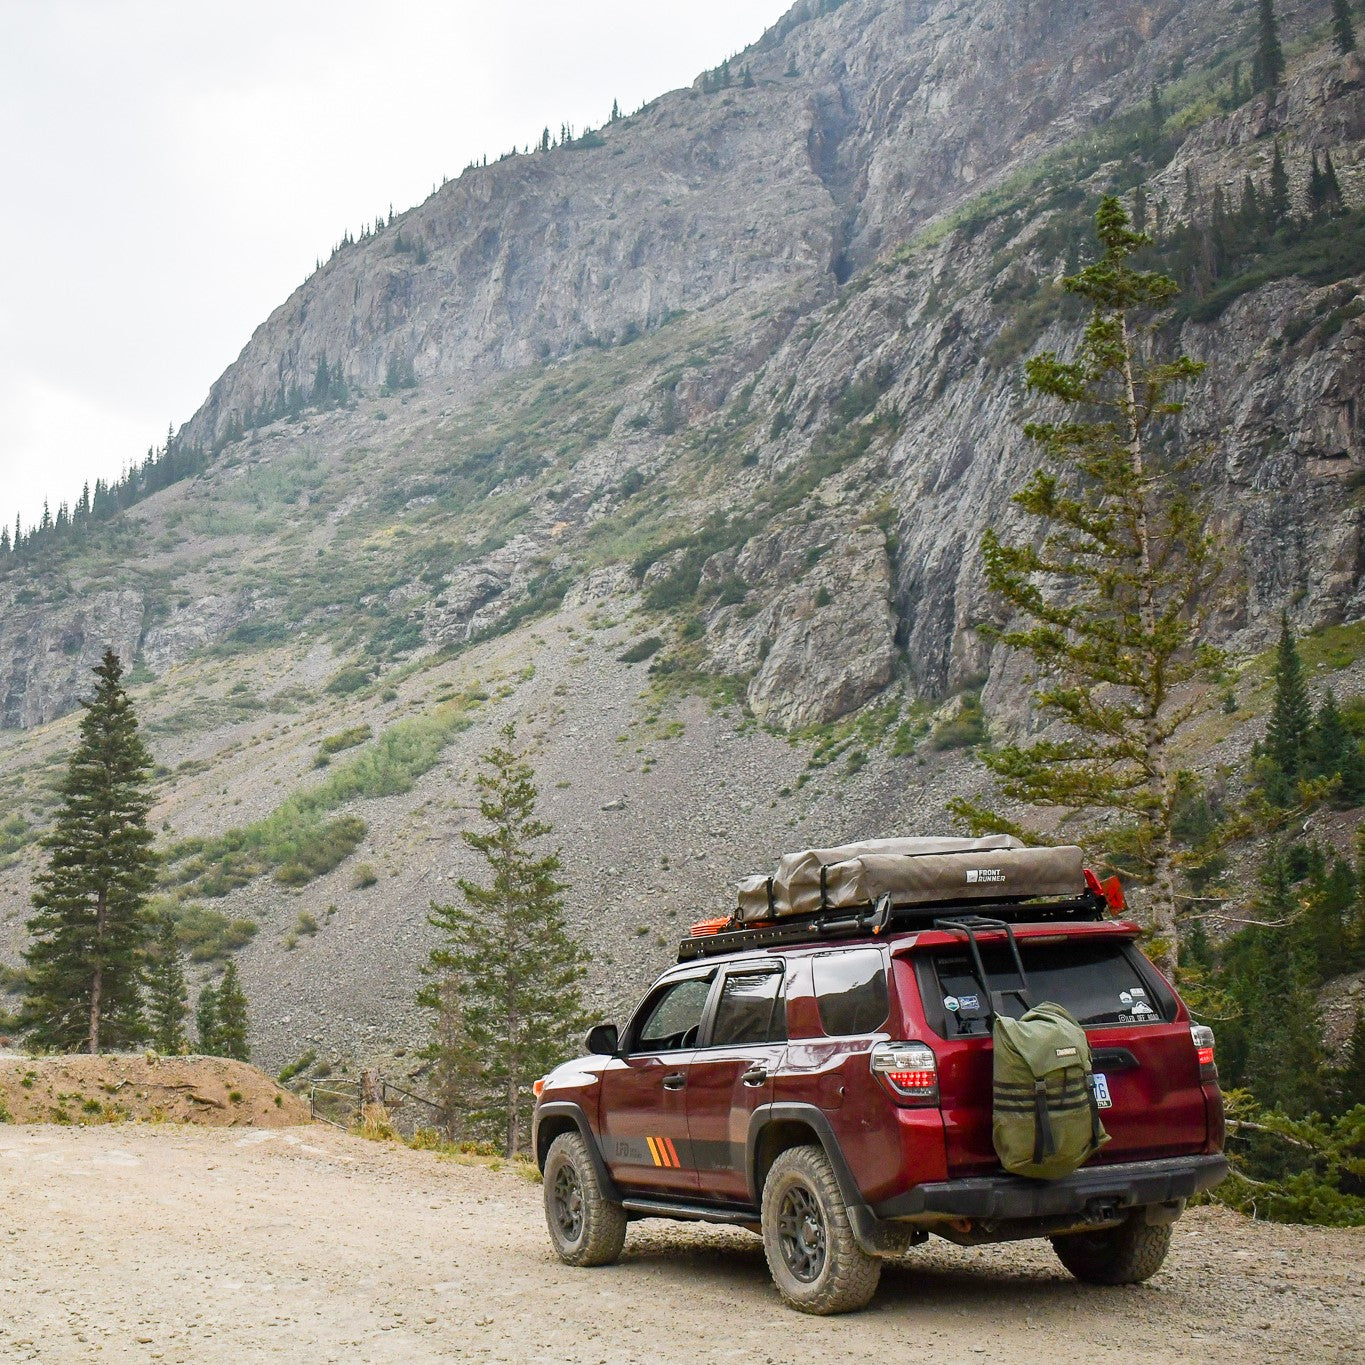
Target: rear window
(1097,982)
(851,990)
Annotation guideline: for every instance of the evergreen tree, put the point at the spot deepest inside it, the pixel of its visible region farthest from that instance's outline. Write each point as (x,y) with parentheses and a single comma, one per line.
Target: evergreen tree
(1331,185)
(1334,753)
(206,1021)
(1350,1076)
(1268,67)
(1112,600)
(615,111)
(1288,729)
(167,998)
(1343,29)
(1317,189)
(748,82)
(90,931)
(507,956)
(1284,1052)
(1279,190)
(232,1017)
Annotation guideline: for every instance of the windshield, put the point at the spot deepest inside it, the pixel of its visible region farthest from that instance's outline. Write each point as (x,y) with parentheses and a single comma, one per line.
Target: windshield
(1097,982)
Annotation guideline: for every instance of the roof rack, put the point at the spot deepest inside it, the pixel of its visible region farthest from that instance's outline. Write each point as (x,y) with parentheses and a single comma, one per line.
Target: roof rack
(884,916)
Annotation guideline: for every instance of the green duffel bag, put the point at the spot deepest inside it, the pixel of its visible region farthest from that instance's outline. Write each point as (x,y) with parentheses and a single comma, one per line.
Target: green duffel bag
(1046,1122)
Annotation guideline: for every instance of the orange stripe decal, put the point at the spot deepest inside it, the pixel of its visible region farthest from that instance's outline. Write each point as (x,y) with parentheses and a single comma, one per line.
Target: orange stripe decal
(654,1151)
(673,1152)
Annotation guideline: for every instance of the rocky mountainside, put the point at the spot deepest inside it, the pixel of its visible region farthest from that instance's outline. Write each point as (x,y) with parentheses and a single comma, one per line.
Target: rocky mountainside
(676,443)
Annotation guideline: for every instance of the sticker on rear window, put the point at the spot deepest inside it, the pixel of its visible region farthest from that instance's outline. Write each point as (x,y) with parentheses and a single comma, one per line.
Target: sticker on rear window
(970,1002)
(952,1004)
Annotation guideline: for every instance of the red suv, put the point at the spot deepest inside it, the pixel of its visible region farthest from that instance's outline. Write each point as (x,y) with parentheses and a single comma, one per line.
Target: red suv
(829,1086)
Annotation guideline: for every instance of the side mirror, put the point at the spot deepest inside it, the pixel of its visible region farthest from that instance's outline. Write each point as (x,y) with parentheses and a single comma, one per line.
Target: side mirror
(602,1041)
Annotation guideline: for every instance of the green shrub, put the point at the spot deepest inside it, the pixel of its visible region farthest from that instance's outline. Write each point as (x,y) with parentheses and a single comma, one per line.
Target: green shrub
(208,935)
(350,679)
(641,650)
(346,739)
(964,730)
(365,875)
(297,1068)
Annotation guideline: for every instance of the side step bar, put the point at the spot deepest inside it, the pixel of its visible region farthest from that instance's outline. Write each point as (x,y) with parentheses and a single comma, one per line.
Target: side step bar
(703,1213)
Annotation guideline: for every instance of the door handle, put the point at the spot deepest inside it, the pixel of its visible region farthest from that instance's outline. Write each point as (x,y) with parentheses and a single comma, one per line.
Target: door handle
(675,1080)
(756,1075)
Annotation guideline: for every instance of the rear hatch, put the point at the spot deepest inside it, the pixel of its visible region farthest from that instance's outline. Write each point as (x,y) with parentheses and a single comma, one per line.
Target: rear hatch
(1139,1035)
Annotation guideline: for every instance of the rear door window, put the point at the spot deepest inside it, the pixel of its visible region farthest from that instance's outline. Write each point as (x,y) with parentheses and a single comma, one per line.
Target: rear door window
(850,989)
(1100,983)
(673,1018)
(750,1010)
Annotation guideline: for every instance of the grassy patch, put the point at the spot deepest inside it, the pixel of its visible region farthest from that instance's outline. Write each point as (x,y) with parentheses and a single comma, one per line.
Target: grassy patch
(297,842)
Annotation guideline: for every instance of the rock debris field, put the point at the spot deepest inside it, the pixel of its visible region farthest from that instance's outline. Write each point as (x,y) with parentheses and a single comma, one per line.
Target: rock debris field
(158,1242)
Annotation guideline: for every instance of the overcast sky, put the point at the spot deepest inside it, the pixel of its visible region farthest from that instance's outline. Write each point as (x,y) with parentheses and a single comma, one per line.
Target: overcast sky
(173,169)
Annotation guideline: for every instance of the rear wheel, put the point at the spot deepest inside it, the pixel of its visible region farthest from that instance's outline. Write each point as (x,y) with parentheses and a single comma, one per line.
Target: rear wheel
(585,1226)
(815,1260)
(1127,1254)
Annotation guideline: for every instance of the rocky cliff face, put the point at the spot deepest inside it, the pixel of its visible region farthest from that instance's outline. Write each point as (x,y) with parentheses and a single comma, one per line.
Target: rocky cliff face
(866,120)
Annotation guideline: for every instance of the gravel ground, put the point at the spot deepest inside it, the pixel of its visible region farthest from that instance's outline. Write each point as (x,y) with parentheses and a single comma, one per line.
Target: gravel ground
(135,1242)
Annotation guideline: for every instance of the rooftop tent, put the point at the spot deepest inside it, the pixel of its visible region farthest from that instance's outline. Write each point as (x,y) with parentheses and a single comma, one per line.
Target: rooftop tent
(920,871)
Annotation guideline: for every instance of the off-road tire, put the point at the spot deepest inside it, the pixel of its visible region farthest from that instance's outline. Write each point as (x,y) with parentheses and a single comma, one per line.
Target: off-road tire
(586,1228)
(816,1262)
(1127,1254)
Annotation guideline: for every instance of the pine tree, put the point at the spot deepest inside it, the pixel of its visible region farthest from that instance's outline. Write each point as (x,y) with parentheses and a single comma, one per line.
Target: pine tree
(1350,1076)
(1334,753)
(167,998)
(1332,186)
(1343,29)
(232,1017)
(1288,729)
(90,930)
(507,956)
(1268,67)
(1279,190)
(1284,1052)
(1317,189)
(455,1075)
(1111,602)
(615,111)
(206,1020)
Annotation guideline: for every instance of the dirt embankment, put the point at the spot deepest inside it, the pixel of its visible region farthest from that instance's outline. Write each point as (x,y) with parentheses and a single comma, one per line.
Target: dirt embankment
(139,1242)
(214,1091)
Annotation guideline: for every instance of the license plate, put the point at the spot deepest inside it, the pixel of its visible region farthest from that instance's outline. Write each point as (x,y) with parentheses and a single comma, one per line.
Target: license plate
(1102,1097)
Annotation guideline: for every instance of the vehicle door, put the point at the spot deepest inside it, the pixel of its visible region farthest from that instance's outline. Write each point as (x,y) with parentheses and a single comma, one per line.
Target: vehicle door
(743,1043)
(644,1089)
(1150,1096)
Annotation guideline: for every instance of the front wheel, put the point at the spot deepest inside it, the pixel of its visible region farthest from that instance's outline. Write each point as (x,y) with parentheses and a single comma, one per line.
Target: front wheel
(1127,1254)
(586,1228)
(816,1262)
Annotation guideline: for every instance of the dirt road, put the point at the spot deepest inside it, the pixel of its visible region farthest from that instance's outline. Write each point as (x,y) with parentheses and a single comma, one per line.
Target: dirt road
(141,1242)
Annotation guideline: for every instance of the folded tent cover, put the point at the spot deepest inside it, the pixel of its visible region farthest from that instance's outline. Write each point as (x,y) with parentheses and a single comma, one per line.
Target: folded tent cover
(922,871)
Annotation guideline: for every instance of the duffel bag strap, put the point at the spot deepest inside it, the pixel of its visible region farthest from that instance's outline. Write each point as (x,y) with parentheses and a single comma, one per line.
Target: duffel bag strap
(1044,1144)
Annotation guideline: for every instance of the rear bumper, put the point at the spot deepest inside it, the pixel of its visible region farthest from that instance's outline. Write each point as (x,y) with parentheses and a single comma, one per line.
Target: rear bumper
(1121,1186)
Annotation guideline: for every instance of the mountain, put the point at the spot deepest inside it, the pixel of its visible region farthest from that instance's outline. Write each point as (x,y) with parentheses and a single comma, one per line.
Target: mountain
(675,443)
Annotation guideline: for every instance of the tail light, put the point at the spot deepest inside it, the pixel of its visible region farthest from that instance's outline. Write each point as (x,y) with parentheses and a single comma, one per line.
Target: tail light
(908,1070)
(1202,1037)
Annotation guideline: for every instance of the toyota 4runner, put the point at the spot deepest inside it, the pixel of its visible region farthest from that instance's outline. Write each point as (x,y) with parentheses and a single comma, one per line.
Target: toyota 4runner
(828,1085)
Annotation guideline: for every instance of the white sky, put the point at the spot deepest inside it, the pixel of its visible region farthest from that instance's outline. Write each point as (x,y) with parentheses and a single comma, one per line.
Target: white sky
(173,169)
